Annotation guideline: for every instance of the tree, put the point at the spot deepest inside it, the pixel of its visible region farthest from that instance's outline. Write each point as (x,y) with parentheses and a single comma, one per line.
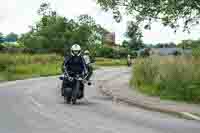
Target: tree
(44,9)
(54,32)
(85,19)
(125,43)
(171,45)
(189,44)
(135,35)
(46,12)
(94,32)
(48,37)
(169,12)
(145,52)
(11,37)
(1,38)
(165,45)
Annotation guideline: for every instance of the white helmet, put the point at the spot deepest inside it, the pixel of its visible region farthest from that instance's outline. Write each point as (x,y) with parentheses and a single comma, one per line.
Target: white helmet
(86,52)
(76,50)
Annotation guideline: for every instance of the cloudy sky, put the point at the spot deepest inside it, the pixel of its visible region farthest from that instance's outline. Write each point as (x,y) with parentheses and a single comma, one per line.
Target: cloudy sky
(17,15)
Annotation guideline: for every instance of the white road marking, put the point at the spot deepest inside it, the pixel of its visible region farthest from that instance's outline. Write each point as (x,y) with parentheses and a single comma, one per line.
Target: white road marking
(111,130)
(191,115)
(35,102)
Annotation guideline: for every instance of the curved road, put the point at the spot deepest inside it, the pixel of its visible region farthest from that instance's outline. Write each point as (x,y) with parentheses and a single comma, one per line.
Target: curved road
(35,106)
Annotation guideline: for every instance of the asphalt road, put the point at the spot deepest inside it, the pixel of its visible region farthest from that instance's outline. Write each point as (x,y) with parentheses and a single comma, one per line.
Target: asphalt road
(35,106)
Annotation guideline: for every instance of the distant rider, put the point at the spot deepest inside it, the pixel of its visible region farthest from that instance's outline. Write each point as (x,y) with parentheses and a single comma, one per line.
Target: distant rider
(129,60)
(88,64)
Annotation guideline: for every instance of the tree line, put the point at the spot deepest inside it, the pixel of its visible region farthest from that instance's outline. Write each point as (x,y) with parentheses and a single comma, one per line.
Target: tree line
(11,37)
(55,33)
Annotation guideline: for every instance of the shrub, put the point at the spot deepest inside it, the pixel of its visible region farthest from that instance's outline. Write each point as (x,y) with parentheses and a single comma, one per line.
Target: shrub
(1,47)
(145,52)
(196,52)
(176,53)
(110,62)
(133,54)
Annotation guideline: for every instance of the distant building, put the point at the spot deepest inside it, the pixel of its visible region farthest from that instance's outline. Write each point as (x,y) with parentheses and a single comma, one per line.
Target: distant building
(11,40)
(169,51)
(166,51)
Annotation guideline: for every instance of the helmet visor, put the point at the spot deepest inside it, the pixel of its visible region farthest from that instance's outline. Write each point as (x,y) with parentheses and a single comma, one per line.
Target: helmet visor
(76,52)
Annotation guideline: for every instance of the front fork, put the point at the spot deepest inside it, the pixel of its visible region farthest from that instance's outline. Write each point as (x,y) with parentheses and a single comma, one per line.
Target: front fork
(76,89)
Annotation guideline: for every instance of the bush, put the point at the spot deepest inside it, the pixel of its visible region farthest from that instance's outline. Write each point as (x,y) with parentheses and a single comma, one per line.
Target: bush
(124,52)
(133,54)
(110,62)
(196,52)
(60,51)
(108,52)
(176,78)
(145,52)
(1,47)
(105,52)
(176,53)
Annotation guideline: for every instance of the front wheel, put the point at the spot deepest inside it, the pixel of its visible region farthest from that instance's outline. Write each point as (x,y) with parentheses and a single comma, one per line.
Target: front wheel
(68,100)
(73,100)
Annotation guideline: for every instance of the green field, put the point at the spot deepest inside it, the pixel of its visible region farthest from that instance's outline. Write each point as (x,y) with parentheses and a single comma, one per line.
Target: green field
(22,66)
(110,62)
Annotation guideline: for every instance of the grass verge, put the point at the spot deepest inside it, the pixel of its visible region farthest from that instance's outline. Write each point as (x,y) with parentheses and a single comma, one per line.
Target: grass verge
(22,66)
(175,78)
(110,62)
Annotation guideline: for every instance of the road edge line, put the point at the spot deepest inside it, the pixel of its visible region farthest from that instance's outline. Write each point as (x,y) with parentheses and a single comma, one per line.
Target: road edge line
(191,116)
(185,115)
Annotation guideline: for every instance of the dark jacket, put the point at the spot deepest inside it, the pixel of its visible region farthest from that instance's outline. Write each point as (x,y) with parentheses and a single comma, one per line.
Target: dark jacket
(74,64)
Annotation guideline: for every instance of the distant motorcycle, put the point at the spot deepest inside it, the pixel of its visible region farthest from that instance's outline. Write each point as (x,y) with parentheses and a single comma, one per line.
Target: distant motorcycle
(129,63)
(76,88)
(129,60)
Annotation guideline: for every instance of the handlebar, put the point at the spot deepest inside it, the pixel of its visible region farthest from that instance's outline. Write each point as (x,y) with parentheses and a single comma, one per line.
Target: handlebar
(78,78)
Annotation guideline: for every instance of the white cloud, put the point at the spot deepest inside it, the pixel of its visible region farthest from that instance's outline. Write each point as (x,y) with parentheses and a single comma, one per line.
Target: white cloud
(17,15)
(159,33)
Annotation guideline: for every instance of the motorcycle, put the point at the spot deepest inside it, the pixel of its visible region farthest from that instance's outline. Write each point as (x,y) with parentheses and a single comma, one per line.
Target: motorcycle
(75,89)
(129,63)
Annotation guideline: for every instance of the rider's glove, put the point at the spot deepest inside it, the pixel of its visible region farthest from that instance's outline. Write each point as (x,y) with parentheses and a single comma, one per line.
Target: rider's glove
(70,78)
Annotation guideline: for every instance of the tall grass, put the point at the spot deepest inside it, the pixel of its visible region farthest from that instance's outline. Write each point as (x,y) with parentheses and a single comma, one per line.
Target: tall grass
(176,78)
(110,62)
(21,66)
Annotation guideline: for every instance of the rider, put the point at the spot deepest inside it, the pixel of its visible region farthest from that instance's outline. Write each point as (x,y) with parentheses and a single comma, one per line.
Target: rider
(73,63)
(88,62)
(128,60)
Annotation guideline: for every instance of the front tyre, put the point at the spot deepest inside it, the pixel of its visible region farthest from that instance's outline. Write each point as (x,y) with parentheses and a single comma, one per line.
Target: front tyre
(68,100)
(75,91)
(73,100)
